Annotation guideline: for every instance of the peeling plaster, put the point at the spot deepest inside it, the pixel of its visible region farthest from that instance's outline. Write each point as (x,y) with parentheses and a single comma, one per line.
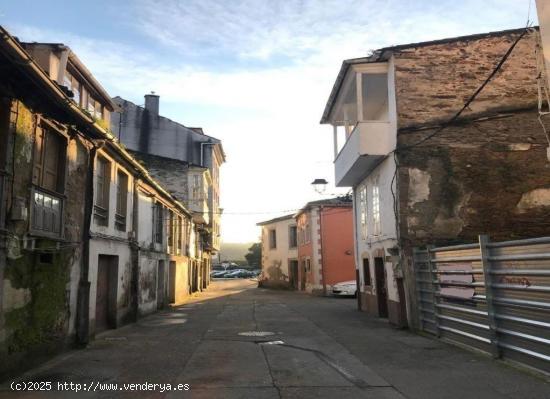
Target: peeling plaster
(419,186)
(15,298)
(519,147)
(534,199)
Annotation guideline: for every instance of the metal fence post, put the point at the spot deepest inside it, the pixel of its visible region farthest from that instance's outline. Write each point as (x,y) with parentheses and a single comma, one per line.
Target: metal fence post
(487,277)
(433,277)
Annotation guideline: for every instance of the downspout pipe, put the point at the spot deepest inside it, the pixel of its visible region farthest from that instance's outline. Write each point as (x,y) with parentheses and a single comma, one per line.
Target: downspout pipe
(83,296)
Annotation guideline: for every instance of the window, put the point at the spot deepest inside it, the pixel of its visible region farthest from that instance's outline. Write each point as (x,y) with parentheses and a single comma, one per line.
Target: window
(121,200)
(292,237)
(196,189)
(94,107)
(102,186)
(158,214)
(376,208)
(170,232)
(49,160)
(179,235)
(307,233)
(272,239)
(363,211)
(90,105)
(48,181)
(308,265)
(366,272)
(98,113)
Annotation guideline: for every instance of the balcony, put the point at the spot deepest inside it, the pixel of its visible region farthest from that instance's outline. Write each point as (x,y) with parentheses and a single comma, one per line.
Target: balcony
(200,210)
(365,148)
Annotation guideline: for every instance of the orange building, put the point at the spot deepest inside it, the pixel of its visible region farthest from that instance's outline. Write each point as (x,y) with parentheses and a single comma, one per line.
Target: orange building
(325,245)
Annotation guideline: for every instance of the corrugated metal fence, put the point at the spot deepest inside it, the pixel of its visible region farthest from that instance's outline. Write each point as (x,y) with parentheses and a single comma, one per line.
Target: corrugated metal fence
(492,296)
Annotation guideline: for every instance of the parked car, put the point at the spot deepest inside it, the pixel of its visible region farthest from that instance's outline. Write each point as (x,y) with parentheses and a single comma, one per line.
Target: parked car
(239,273)
(345,288)
(218,274)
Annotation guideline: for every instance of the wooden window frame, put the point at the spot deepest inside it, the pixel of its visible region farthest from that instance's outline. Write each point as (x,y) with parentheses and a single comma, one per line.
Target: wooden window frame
(47,202)
(101,210)
(121,211)
(158,225)
(292,243)
(367,278)
(272,238)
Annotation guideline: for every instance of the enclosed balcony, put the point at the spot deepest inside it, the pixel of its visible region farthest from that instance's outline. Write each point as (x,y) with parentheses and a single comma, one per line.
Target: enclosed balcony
(366,146)
(360,110)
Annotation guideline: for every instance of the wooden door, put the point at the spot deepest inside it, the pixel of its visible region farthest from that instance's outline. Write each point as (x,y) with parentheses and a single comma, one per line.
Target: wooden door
(293,274)
(381,287)
(102,295)
(160,285)
(172,282)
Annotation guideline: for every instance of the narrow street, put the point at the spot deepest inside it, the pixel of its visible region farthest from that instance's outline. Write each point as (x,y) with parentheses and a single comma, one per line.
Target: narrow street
(309,354)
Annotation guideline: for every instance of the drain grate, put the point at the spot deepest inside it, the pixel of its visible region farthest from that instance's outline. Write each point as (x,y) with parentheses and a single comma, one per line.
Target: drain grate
(256,333)
(272,343)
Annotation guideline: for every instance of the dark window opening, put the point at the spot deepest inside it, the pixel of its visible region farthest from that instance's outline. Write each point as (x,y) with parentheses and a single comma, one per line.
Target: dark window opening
(366,272)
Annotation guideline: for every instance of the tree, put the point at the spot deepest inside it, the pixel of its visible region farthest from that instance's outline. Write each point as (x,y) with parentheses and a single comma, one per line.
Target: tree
(254,255)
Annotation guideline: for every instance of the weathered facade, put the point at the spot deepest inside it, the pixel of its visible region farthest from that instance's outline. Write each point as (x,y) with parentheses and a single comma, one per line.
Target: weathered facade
(279,253)
(486,173)
(185,160)
(76,253)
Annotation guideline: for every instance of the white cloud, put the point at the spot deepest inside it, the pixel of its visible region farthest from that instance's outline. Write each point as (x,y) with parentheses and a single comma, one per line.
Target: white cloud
(273,62)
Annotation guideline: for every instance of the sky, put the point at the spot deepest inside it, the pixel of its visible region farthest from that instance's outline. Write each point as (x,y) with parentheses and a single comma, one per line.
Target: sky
(254,73)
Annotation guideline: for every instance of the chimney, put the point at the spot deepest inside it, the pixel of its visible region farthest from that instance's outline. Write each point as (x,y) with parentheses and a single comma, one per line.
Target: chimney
(152,103)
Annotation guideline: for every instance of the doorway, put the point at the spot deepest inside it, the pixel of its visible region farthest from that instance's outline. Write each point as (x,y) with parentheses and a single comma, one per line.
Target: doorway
(172,282)
(106,293)
(160,285)
(293,274)
(381,288)
(303,276)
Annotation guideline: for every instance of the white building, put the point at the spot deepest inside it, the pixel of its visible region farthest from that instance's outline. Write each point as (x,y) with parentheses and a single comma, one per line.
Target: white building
(362,111)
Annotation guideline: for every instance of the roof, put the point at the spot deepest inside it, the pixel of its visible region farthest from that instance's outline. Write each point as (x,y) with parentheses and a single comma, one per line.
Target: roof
(384,54)
(192,130)
(278,219)
(344,201)
(85,72)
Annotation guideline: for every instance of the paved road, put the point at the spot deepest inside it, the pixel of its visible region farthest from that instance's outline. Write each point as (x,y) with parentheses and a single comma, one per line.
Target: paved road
(319,348)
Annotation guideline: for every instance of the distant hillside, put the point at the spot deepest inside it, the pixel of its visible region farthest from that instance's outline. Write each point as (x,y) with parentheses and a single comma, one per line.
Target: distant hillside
(234,251)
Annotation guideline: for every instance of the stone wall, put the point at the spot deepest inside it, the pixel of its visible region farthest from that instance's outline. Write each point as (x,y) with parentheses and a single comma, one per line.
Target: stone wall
(38,283)
(481,177)
(171,173)
(433,81)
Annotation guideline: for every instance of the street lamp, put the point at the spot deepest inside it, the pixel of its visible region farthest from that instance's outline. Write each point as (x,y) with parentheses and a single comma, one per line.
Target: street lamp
(320,185)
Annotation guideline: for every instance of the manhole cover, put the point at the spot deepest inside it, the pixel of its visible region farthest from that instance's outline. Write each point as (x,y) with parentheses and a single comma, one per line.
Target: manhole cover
(256,333)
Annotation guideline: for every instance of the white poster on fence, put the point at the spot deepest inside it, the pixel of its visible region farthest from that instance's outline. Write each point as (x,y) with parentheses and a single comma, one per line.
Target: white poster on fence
(456,284)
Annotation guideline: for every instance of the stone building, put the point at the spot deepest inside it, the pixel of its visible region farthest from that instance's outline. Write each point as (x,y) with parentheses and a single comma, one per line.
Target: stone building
(185,160)
(76,252)
(418,179)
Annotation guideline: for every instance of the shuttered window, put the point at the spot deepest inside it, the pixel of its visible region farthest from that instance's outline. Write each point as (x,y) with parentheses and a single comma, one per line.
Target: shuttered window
(48,182)
(49,160)
(121,200)
(103,181)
